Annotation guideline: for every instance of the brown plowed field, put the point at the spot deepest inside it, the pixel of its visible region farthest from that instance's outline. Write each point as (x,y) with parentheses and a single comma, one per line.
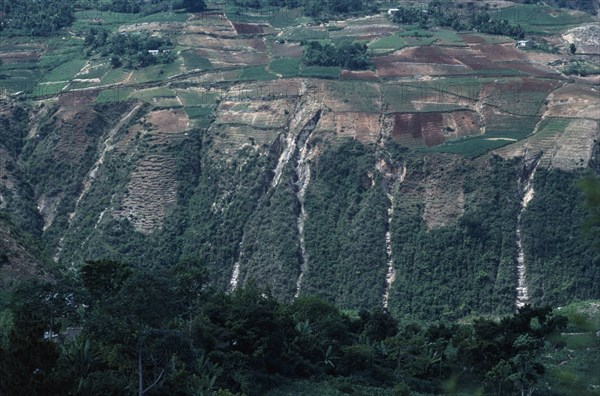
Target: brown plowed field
(419,127)
(472,39)
(247,28)
(428,54)
(359,75)
(502,52)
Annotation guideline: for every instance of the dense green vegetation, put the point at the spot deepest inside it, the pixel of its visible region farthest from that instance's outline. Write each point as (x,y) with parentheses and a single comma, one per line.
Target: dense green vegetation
(36,18)
(166,332)
(448,14)
(555,242)
(353,56)
(135,47)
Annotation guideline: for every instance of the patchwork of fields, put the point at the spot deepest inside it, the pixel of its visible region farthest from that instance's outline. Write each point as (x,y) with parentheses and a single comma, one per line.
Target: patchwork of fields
(459,92)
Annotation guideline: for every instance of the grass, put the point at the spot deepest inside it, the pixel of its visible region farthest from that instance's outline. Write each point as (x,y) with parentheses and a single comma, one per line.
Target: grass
(83,18)
(199,112)
(469,147)
(572,369)
(449,37)
(510,127)
(361,96)
(541,19)
(114,95)
(41,90)
(197,98)
(114,76)
(149,94)
(96,70)
(387,44)
(504,130)
(256,73)
(66,71)
(286,67)
(165,17)
(193,61)
(552,126)
(283,18)
(157,72)
(330,72)
(400,98)
(17,80)
(304,33)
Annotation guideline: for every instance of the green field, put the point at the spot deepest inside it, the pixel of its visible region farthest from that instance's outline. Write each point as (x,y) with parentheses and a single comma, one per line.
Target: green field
(322,72)
(42,90)
(541,19)
(469,147)
(304,33)
(199,111)
(193,61)
(387,44)
(256,73)
(360,96)
(286,67)
(510,127)
(114,95)
(552,126)
(66,71)
(114,76)
(157,72)
(149,94)
(96,70)
(197,98)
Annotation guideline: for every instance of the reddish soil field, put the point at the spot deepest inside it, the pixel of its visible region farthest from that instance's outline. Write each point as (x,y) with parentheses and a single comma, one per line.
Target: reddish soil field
(387,67)
(366,75)
(429,54)
(246,28)
(476,61)
(472,39)
(419,127)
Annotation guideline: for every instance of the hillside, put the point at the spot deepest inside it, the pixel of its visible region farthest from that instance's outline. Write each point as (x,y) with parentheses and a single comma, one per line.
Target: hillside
(311,179)
(415,162)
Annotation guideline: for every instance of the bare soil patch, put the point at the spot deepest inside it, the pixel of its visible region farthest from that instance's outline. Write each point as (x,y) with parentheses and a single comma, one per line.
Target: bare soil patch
(78,98)
(366,75)
(575,100)
(220,58)
(19,56)
(472,39)
(168,121)
(247,28)
(286,50)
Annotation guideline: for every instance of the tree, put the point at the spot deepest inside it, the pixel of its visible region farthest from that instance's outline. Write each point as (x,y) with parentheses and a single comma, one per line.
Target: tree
(591,189)
(572,48)
(194,5)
